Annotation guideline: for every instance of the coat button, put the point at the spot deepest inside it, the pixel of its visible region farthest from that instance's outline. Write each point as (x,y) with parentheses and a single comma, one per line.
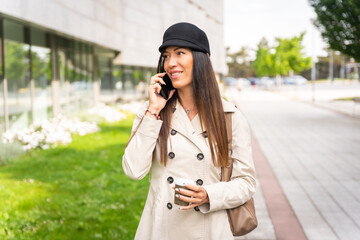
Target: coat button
(170,179)
(173,132)
(199,182)
(196,208)
(171,155)
(205,134)
(169,206)
(200,156)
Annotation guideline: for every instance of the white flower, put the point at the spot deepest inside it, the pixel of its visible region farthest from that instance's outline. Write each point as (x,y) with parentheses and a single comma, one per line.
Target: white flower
(26,147)
(131,107)
(49,133)
(108,113)
(9,137)
(46,146)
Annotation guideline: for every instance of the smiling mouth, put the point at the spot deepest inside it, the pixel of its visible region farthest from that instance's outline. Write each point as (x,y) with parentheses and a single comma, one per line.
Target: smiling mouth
(175,74)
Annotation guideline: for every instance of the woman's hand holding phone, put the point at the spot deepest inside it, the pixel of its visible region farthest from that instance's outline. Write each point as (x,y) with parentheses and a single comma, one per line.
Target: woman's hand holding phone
(156,101)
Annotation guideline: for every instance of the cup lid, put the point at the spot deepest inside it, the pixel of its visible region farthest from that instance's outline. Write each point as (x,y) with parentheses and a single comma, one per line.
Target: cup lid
(183,181)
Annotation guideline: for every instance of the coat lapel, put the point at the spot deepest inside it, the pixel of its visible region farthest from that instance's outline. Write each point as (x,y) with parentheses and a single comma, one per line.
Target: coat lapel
(191,130)
(180,121)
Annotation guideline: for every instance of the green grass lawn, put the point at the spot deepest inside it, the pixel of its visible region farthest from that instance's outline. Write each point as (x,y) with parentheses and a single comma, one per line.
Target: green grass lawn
(74,192)
(346,99)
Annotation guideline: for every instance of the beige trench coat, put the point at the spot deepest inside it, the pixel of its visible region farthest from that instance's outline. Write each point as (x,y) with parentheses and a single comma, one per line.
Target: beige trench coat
(190,158)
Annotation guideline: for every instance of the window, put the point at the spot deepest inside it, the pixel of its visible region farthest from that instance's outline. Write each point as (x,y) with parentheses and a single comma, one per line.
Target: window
(2,115)
(41,74)
(17,73)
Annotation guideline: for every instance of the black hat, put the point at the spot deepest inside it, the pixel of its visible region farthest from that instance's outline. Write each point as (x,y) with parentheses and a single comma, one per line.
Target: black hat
(185,34)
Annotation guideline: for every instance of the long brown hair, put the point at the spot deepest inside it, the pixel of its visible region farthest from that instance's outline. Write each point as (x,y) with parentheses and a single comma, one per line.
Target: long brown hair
(210,109)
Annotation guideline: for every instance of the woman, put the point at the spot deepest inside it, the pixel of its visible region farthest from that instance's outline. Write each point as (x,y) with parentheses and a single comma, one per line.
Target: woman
(185,137)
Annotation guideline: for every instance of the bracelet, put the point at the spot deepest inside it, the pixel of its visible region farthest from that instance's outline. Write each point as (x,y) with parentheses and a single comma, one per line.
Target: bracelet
(153,113)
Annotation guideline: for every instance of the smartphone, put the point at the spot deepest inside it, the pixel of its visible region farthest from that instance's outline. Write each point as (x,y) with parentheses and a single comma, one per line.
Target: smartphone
(165,89)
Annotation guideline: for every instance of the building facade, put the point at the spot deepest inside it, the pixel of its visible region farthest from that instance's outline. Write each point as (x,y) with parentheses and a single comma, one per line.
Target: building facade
(61,56)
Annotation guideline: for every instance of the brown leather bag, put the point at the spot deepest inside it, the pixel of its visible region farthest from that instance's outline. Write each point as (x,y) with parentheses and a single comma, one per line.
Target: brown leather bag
(242,219)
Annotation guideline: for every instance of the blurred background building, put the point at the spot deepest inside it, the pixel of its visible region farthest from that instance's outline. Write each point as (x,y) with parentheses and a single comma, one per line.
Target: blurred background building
(62,56)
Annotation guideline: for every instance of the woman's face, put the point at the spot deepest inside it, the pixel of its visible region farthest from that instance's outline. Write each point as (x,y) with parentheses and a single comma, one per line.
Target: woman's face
(178,64)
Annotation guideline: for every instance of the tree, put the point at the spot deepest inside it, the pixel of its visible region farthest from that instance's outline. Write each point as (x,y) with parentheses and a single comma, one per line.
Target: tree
(17,65)
(285,57)
(339,24)
(290,54)
(41,68)
(322,67)
(263,63)
(239,64)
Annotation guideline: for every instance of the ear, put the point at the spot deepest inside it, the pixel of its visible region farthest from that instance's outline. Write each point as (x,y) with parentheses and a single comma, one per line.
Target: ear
(208,55)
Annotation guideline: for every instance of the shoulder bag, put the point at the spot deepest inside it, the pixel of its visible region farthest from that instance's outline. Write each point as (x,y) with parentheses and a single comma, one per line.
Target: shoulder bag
(242,219)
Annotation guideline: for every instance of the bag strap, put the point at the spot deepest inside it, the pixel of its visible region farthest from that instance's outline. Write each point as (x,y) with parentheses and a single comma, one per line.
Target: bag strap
(226,171)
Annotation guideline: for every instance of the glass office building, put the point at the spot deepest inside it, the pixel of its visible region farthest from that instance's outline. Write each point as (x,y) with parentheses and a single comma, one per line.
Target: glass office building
(43,74)
(62,57)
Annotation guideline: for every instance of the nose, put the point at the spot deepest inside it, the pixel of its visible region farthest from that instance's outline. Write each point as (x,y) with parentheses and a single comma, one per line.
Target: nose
(172,61)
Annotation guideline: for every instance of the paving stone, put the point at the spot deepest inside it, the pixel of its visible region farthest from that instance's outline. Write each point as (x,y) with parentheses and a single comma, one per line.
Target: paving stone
(265,229)
(314,154)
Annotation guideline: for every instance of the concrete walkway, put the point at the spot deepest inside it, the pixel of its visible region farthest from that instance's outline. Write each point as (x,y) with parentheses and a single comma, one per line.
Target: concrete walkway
(326,95)
(314,155)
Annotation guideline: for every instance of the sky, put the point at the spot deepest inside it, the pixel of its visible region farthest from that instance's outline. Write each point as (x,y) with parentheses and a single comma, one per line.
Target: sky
(246,22)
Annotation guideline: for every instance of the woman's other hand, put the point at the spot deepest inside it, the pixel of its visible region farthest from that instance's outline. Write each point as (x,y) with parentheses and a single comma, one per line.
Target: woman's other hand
(196,196)
(157,102)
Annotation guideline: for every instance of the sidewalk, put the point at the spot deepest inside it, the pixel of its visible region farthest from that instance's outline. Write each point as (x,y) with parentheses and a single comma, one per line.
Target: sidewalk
(314,156)
(325,95)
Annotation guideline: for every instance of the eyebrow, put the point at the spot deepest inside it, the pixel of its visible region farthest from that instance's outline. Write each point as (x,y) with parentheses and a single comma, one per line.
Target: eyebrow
(175,49)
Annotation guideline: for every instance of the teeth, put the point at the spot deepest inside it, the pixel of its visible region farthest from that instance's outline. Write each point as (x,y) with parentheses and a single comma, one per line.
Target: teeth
(175,74)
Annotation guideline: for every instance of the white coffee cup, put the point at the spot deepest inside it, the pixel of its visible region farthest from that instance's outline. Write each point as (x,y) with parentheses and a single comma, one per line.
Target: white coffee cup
(180,183)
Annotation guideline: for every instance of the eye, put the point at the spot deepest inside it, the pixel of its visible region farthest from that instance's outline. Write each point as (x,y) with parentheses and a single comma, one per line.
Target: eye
(165,56)
(180,53)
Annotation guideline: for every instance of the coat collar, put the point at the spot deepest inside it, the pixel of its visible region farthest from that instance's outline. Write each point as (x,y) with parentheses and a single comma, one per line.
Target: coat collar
(228,106)
(191,129)
(181,122)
